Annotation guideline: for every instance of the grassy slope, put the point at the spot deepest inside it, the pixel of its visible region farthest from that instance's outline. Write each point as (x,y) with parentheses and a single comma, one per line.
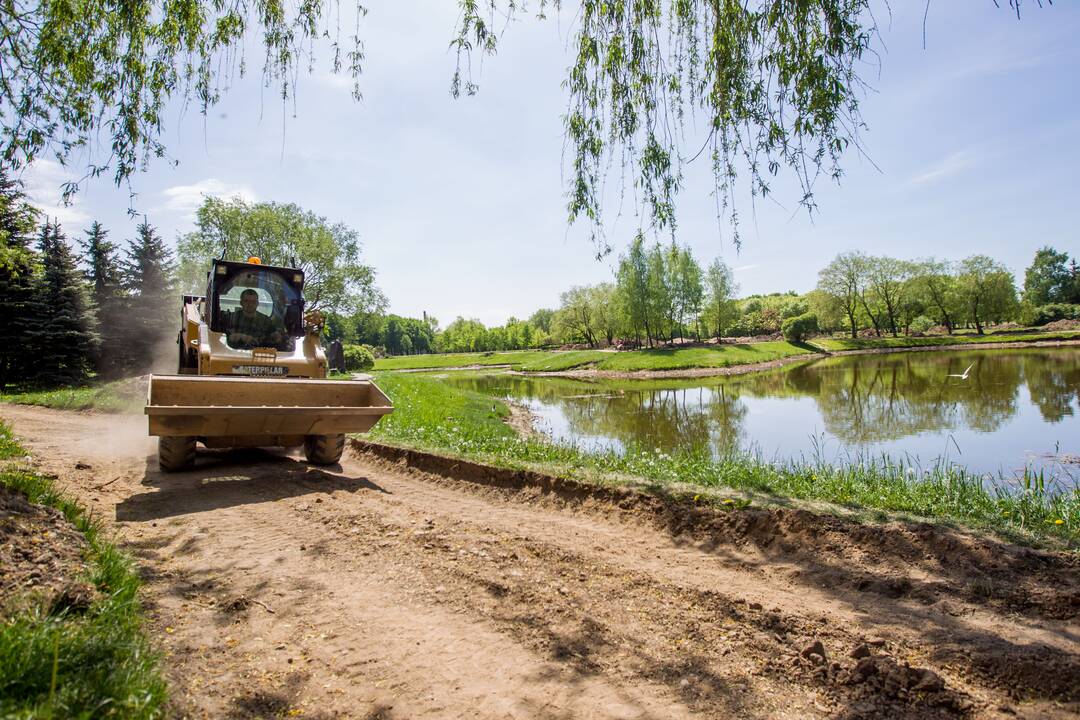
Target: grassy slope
(656,359)
(835,344)
(690,357)
(97,663)
(429,415)
(413,362)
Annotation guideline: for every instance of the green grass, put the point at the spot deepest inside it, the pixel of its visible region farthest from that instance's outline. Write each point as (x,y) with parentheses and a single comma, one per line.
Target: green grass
(649,359)
(692,357)
(836,344)
(430,415)
(120,396)
(416,362)
(96,663)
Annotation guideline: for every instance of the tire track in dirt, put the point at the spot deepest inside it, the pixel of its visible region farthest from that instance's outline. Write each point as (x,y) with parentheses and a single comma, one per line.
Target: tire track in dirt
(383,589)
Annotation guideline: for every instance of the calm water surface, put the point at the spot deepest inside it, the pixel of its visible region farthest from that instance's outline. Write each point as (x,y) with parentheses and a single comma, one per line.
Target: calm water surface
(1016,408)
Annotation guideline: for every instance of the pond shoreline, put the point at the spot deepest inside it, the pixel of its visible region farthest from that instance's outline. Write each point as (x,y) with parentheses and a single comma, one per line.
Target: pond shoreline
(702,372)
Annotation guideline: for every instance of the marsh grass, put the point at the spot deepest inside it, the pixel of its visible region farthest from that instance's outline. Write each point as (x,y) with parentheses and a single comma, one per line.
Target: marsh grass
(77,664)
(431,415)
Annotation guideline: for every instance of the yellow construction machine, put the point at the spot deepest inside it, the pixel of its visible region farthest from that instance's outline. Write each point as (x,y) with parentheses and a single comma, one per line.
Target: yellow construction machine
(253,374)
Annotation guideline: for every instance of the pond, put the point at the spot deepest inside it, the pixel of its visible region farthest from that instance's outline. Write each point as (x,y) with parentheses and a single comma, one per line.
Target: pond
(1015,408)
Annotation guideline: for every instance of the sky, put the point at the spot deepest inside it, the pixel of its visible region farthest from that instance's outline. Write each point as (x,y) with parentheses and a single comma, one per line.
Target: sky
(971,147)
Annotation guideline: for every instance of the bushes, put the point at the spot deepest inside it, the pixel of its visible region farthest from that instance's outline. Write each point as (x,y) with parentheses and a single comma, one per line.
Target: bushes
(358,357)
(1044,314)
(921,325)
(796,329)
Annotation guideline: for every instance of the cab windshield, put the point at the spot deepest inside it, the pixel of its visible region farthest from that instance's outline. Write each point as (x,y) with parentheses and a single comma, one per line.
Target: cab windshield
(257,308)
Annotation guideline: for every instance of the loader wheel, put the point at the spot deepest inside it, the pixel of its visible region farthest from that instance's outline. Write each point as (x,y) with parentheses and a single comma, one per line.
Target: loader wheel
(176,453)
(324,449)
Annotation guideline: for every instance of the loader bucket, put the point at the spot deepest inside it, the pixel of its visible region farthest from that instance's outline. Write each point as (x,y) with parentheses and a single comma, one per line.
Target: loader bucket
(216,406)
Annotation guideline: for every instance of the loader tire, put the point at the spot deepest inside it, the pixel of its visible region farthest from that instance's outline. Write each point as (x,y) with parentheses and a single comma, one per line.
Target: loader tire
(176,453)
(324,449)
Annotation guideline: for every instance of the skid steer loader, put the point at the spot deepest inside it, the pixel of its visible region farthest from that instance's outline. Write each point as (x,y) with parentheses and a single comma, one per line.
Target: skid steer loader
(252,373)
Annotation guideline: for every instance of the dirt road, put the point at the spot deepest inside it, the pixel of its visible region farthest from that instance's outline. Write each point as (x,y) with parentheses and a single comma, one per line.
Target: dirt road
(400,586)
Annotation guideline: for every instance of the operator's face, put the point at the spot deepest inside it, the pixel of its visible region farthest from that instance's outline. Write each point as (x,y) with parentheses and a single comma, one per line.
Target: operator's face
(248,303)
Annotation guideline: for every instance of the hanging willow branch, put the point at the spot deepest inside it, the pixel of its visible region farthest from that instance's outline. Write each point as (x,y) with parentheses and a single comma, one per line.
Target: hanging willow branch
(777,84)
(72,71)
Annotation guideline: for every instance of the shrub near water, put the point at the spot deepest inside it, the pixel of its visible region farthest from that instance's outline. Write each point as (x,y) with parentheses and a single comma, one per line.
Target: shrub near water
(68,664)
(431,415)
(358,358)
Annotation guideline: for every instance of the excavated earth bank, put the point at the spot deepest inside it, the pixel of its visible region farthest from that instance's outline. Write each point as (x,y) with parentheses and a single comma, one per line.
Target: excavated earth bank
(406,585)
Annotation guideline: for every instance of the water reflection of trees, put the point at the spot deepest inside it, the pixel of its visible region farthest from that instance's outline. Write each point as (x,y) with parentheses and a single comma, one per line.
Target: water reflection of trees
(861,400)
(1053,383)
(664,418)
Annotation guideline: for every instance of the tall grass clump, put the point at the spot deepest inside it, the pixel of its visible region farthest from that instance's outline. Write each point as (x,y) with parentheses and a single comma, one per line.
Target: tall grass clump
(431,415)
(66,663)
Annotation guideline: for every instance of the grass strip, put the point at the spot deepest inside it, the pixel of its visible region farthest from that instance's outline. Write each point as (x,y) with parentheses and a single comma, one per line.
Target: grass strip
(108,397)
(714,356)
(430,415)
(648,359)
(837,344)
(97,663)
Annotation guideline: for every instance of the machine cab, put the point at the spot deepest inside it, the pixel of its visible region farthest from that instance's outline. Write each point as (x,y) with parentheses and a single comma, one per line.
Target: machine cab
(255,305)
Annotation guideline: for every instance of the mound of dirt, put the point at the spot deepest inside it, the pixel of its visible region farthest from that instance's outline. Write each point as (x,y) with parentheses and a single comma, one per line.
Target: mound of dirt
(41,554)
(1059,325)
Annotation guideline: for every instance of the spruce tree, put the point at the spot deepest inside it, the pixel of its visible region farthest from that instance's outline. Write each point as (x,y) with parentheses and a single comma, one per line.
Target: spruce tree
(18,263)
(151,319)
(104,273)
(65,335)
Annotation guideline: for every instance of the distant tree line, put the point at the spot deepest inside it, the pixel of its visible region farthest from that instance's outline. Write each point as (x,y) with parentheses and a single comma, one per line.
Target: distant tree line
(661,294)
(61,322)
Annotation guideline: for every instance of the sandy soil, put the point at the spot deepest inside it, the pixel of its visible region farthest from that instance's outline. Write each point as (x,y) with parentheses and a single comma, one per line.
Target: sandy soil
(402,585)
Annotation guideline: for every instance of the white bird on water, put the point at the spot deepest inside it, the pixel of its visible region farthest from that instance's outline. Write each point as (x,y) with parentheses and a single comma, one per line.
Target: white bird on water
(965,375)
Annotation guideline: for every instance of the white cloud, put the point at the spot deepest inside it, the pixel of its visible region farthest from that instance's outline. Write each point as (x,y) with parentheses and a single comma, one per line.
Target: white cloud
(43,183)
(743,268)
(186,199)
(951,165)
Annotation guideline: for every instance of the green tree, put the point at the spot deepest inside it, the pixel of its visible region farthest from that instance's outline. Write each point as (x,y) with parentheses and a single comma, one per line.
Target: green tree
(936,282)
(633,287)
(658,292)
(575,320)
(541,320)
(151,317)
(1048,278)
(18,263)
(887,280)
(64,337)
(844,279)
(720,308)
(688,290)
(987,291)
(104,275)
(279,234)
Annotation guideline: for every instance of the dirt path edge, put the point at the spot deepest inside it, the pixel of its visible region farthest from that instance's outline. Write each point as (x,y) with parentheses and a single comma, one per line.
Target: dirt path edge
(965,557)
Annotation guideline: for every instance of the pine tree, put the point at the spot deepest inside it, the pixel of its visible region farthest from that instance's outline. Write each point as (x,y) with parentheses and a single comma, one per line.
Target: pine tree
(104,274)
(103,267)
(152,307)
(18,264)
(65,334)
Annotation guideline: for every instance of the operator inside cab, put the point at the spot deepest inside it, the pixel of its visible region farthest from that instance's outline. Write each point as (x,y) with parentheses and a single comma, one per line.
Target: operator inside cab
(246,327)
